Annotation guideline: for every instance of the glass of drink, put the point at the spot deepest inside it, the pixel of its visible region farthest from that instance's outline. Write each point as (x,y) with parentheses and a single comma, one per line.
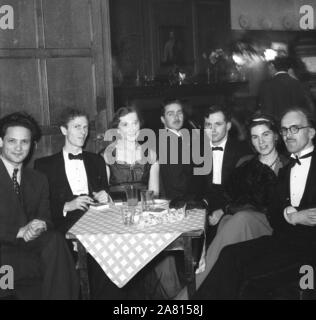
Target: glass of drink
(147,198)
(128,214)
(131,195)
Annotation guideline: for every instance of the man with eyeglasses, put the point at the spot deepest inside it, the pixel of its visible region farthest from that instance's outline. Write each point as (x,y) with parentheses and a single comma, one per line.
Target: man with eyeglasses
(257,268)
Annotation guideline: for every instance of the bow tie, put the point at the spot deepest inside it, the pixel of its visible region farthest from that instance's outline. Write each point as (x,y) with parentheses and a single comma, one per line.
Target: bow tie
(217,149)
(75,157)
(297,159)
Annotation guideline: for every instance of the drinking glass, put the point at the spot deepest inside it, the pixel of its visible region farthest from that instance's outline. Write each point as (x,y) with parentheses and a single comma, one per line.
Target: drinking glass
(128,214)
(147,198)
(131,195)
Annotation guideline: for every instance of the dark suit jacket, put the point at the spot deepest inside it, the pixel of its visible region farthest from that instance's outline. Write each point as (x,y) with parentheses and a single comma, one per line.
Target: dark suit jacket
(281,92)
(175,178)
(215,195)
(60,192)
(15,214)
(282,200)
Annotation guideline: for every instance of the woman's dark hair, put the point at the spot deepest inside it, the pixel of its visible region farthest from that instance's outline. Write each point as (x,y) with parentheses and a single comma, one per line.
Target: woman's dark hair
(259,118)
(20,119)
(123,111)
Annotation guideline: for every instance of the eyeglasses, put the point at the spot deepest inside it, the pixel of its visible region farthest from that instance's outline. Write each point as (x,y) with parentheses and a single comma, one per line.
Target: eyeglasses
(293,129)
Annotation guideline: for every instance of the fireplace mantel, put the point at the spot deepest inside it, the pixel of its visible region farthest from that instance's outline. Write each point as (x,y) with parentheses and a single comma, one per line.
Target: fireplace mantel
(130,94)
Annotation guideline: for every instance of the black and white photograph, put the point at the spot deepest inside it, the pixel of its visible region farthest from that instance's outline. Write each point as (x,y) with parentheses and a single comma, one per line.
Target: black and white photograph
(159,152)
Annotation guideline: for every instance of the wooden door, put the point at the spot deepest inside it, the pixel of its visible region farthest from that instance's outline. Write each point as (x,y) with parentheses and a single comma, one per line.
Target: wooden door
(57,56)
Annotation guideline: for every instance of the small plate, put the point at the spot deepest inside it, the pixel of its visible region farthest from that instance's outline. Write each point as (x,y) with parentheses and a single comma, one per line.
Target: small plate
(161,202)
(99,206)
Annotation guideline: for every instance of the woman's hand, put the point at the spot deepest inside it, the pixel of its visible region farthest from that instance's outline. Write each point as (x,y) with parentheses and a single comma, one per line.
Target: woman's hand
(214,218)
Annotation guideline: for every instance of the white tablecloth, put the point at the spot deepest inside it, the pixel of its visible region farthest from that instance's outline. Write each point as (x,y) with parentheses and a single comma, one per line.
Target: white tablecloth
(122,251)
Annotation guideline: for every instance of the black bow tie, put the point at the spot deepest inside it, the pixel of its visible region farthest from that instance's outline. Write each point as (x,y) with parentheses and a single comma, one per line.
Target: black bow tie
(217,149)
(297,159)
(75,157)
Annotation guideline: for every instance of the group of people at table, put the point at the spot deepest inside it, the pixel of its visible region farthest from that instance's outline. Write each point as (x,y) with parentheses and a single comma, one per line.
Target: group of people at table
(259,197)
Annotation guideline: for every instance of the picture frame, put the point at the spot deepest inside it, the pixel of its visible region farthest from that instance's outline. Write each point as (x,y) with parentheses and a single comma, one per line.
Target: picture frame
(172,47)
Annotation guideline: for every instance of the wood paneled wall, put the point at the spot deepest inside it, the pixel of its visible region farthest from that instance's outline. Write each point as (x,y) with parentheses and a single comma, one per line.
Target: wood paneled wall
(57,56)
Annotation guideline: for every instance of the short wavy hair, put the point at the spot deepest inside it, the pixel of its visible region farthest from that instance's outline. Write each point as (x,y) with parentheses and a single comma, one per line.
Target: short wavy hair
(20,119)
(218,108)
(308,114)
(166,102)
(69,114)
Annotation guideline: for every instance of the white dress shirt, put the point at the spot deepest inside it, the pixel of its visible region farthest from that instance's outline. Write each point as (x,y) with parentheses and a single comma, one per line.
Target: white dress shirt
(177,133)
(298,180)
(10,168)
(298,177)
(218,157)
(76,175)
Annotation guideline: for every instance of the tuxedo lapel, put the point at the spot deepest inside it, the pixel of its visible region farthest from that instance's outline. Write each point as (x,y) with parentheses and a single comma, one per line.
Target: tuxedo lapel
(228,159)
(62,176)
(89,172)
(285,190)
(310,183)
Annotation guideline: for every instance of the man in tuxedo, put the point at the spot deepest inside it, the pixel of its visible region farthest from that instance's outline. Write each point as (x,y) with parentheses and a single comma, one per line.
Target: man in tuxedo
(262,265)
(27,244)
(76,178)
(176,176)
(282,90)
(226,152)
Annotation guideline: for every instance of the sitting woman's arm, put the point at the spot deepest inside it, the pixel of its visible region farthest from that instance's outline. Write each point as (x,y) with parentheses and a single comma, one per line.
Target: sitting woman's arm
(153,183)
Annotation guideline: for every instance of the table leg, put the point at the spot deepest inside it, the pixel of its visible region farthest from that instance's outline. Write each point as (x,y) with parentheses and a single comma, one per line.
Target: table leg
(83,271)
(189,266)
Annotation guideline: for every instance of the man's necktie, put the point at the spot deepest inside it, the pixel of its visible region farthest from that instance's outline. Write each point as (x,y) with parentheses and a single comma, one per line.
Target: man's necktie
(75,157)
(217,149)
(16,185)
(297,159)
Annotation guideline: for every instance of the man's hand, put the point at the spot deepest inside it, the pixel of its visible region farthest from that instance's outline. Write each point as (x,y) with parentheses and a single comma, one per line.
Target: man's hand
(79,203)
(289,213)
(215,217)
(305,217)
(38,226)
(101,196)
(32,230)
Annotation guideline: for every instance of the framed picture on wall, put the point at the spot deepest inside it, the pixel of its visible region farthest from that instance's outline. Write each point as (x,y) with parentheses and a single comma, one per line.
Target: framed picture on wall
(173,48)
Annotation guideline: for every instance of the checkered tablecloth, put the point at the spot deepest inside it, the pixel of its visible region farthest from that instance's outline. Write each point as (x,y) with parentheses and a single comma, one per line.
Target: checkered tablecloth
(122,251)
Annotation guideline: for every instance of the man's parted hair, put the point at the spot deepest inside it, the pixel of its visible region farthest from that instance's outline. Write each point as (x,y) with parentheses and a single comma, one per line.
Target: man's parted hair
(167,102)
(69,114)
(308,114)
(218,108)
(20,119)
